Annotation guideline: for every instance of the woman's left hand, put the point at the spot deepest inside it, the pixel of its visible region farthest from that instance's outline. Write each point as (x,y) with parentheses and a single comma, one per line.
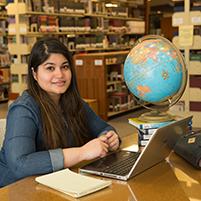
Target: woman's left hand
(112,139)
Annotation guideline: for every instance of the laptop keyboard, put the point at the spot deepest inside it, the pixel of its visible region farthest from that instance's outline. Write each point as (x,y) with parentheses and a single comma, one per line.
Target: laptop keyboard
(119,163)
(123,165)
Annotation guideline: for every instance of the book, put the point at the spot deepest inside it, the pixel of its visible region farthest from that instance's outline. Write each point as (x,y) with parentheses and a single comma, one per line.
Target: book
(72,183)
(146,125)
(143,138)
(146,135)
(143,142)
(148,131)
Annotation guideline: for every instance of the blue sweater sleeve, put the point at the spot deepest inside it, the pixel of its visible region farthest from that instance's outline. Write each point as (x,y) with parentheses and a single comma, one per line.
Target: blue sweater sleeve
(96,125)
(21,152)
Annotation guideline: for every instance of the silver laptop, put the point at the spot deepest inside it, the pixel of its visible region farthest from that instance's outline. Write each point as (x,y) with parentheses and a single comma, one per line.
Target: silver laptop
(124,164)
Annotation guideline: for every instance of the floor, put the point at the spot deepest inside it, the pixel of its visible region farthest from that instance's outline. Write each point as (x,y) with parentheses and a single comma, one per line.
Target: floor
(120,123)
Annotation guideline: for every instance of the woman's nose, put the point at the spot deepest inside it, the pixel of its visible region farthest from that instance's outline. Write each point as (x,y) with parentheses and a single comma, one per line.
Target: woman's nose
(58,72)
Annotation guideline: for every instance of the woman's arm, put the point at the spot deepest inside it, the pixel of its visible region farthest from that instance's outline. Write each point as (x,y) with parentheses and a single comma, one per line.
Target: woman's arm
(21,146)
(98,128)
(91,150)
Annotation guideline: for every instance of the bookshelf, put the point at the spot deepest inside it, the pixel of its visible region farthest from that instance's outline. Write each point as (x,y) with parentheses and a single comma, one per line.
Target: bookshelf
(83,26)
(190,102)
(17,47)
(100,77)
(4,56)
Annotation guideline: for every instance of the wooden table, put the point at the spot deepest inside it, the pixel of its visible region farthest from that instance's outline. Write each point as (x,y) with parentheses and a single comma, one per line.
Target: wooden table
(175,180)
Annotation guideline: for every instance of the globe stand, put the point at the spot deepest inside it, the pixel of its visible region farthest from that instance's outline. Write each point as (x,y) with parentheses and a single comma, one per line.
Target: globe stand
(156,116)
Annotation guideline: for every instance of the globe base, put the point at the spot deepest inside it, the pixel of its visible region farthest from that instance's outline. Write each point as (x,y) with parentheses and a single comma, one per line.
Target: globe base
(156,116)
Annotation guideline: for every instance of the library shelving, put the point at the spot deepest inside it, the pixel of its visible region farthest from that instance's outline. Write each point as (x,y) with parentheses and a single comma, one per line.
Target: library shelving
(85,27)
(100,77)
(190,103)
(4,56)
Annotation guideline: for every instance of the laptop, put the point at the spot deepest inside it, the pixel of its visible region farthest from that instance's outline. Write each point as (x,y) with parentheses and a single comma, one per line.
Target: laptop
(124,165)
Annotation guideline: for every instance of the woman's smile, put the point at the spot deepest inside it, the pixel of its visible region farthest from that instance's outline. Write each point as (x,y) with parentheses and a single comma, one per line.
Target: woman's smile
(59,83)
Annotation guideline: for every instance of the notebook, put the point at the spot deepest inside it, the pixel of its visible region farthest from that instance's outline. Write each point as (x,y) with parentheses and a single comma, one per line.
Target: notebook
(125,164)
(71,183)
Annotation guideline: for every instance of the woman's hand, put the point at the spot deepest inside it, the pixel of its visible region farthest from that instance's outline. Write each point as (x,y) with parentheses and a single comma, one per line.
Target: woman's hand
(94,149)
(112,139)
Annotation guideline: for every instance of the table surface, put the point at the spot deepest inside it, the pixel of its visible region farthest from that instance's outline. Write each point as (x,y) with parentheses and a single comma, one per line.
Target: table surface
(174,180)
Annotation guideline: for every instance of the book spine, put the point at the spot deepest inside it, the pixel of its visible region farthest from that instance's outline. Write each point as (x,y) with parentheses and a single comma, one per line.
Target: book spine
(143,138)
(148,131)
(143,142)
(146,137)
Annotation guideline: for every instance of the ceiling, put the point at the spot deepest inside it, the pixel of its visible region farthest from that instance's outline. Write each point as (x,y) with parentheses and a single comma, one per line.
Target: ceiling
(161,2)
(161,6)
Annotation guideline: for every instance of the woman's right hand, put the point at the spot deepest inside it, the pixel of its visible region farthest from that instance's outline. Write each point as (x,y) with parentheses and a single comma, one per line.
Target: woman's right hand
(94,149)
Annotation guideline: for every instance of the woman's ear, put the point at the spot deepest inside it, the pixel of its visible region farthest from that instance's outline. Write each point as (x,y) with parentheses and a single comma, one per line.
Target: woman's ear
(34,73)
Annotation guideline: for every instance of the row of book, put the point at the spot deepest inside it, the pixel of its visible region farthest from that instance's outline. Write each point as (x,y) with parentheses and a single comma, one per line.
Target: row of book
(147,129)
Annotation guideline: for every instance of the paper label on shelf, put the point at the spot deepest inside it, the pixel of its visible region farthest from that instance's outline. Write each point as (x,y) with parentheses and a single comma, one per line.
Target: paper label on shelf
(98,62)
(78,62)
(11,30)
(23,30)
(196,20)
(186,35)
(177,21)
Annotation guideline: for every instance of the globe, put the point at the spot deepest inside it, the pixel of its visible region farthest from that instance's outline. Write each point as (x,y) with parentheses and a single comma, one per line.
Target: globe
(156,74)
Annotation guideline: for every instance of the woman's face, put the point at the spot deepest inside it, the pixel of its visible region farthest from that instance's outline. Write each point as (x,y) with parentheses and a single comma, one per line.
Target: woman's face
(54,75)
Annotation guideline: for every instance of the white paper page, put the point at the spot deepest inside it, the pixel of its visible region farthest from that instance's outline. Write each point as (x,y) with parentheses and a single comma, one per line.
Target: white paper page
(72,183)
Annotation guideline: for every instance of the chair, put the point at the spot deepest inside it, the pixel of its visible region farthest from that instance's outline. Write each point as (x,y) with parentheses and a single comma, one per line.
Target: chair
(2,130)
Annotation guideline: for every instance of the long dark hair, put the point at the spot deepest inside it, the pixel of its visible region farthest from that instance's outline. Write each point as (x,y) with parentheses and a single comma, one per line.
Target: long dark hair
(69,117)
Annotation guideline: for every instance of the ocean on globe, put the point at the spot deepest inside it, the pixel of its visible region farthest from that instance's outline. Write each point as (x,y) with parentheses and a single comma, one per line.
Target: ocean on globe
(153,71)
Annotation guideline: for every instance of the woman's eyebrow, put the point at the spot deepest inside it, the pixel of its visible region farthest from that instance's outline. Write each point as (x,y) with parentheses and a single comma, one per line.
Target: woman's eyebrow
(49,63)
(52,63)
(65,62)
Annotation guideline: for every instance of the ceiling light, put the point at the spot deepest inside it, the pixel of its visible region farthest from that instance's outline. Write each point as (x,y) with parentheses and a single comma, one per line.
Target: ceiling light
(109,5)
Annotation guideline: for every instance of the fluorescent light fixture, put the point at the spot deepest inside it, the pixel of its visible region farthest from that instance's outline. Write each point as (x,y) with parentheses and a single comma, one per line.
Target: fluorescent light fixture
(110,5)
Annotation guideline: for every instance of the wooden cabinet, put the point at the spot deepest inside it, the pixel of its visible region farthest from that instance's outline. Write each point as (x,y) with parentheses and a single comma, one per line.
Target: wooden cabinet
(100,77)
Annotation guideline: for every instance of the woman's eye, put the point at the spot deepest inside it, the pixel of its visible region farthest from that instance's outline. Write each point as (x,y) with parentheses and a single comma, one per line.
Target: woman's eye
(65,67)
(50,68)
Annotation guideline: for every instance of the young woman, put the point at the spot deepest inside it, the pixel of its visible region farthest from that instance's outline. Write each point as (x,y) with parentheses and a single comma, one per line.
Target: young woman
(50,127)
